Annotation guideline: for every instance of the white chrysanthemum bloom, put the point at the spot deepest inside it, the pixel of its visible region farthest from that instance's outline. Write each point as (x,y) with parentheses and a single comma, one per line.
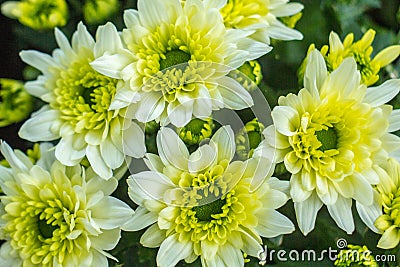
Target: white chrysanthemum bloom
(54,215)
(331,136)
(177,58)
(78,100)
(201,205)
(262,16)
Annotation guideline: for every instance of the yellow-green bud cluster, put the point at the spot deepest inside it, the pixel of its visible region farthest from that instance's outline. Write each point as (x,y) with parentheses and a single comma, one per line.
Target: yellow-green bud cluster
(249,74)
(355,256)
(98,11)
(248,138)
(37,14)
(196,131)
(15,102)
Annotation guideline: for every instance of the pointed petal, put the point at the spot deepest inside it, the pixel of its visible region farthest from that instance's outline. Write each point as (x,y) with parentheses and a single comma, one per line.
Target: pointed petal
(383,93)
(172,251)
(315,74)
(341,214)
(39,126)
(234,95)
(171,149)
(224,139)
(306,213)
(134,141)
(369,214)
(141,219)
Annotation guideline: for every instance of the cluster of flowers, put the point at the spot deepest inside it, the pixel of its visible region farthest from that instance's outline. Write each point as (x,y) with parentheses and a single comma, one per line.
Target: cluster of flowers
(173,65)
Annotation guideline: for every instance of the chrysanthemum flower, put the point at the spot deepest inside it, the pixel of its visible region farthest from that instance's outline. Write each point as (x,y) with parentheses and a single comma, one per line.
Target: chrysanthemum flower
(331,136)
(201,205)
(53,215)
(388,223)
(261,16)
(15,103)
(79,98)
(177,58)
(37,14)
(361,51)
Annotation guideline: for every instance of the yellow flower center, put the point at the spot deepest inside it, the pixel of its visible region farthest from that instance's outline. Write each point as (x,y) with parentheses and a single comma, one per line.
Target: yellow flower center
(173,58)
(83,97)
(328,139)
(209,208)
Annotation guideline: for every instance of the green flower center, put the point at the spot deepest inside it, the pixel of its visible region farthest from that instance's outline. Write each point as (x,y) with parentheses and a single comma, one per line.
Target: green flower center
(328,139)
(196,131)
(205,212)
(173,58)
(45,229)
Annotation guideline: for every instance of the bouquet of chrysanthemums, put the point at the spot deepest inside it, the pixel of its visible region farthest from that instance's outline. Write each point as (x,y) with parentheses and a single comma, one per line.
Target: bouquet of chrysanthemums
(152,141)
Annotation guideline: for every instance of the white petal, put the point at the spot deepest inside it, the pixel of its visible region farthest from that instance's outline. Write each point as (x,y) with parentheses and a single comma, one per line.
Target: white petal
(180,113)
(171,149)
(278,30)
(97,162)
(394,121)
(15,162)
(107,40)
(306,213)
(204,157)
(345,78)
(134,141)
(390,238)
(150,107)
(141,219)
(251,242)
(107,240)
(230,255)
(363,192)
(39,60)
(202,106)
(224,139)
(369,214)
(63,43)
(315,74)
(82,38)
(287,10)
(153,237)
(66,153)
(110,213)
(172,251)
(123,98)
(153,162)
(341,214)
(286,120)
(149,185)
(234,95)
(272,223)
(111,65)
(112,156)
(39,126)
(383,93)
